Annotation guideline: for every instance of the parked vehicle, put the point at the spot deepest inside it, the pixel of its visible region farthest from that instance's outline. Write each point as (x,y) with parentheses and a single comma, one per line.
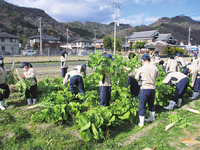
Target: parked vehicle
(5,53)
(29,53)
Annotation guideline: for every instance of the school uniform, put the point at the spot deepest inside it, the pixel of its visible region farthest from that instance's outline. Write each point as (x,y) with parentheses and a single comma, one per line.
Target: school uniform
(182,62)
(172,66)
(195,73)
(195,61)
(64,66)
(147,74)
(134,86)
(6,93)
(30,75)
(81,69)
(181,81)
(105,87)
(75,79)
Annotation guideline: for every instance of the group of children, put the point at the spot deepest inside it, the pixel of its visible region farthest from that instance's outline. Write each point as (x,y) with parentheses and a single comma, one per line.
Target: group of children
(29,74)
(146,75)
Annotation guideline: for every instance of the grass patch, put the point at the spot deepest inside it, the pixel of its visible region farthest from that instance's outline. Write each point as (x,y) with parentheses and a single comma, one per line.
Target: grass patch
(18,132)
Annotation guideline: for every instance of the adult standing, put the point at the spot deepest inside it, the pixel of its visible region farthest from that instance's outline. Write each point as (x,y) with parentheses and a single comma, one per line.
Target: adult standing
(147,75)
(105,86)
(195,83)
(3,78)
(30,74)
(181,81)
(63,59)
(172,65)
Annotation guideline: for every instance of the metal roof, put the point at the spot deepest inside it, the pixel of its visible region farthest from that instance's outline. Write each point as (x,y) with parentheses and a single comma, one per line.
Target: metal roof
(7,35)
(143,34)
(82,40)
(45,38)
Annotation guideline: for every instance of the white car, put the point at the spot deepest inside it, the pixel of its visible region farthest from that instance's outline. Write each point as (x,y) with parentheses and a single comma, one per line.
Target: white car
(29,53)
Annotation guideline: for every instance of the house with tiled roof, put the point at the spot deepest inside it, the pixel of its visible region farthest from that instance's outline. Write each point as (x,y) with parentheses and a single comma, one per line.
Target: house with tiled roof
(51,42)
(152,38)
(9,43)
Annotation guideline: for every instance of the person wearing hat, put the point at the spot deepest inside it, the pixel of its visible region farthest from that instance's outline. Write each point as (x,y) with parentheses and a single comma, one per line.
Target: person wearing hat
(181,61)
(63,59)
(74,78)
(195,60)
(103,53)
(147,75)
(161,63)
(172,65)
(3,78)
(181,81)
(195,83)
(81,69)
(105,86)
(30,74)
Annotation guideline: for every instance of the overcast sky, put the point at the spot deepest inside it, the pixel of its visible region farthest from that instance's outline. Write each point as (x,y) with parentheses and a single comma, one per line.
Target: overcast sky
(133,12)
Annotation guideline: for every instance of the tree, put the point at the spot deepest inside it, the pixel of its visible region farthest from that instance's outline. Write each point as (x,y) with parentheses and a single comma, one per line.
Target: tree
(34,47)
(107,43)
(20,40)
(139,45)
(131,46)
(118,44)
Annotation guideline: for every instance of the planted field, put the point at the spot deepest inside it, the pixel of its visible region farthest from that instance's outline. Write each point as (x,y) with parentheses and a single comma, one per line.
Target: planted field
(63,121)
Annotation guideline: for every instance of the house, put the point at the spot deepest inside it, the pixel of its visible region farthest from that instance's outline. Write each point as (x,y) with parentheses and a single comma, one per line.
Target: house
(50,42)
(83,43)
(154,40)
(9,43)
(98,43)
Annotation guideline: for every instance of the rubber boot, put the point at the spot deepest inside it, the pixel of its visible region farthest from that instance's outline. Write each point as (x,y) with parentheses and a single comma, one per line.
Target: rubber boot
(171,105)
(179,102)
(195,95)
(1,105)
(4,103)
(151,116)
(34,100)
(141,118)
(29,101)
(133,99)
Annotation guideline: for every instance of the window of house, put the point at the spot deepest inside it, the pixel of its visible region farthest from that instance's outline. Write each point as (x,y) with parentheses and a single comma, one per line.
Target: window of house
(89,43)
(3,48)
(12,40)
(2,40)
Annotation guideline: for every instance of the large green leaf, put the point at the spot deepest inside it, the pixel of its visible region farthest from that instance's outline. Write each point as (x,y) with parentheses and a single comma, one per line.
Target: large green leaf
(84,122)
(111,120)
(95,132)
(86,135)
(125,116)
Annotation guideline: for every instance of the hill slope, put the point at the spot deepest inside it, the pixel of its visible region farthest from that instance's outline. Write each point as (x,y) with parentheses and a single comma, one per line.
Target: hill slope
(179,27)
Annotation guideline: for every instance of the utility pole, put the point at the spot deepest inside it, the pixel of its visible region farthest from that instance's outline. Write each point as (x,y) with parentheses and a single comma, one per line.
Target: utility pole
(189,39)
(40,34)
(115,5)
(95,39)
(189,35)
(67,38)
